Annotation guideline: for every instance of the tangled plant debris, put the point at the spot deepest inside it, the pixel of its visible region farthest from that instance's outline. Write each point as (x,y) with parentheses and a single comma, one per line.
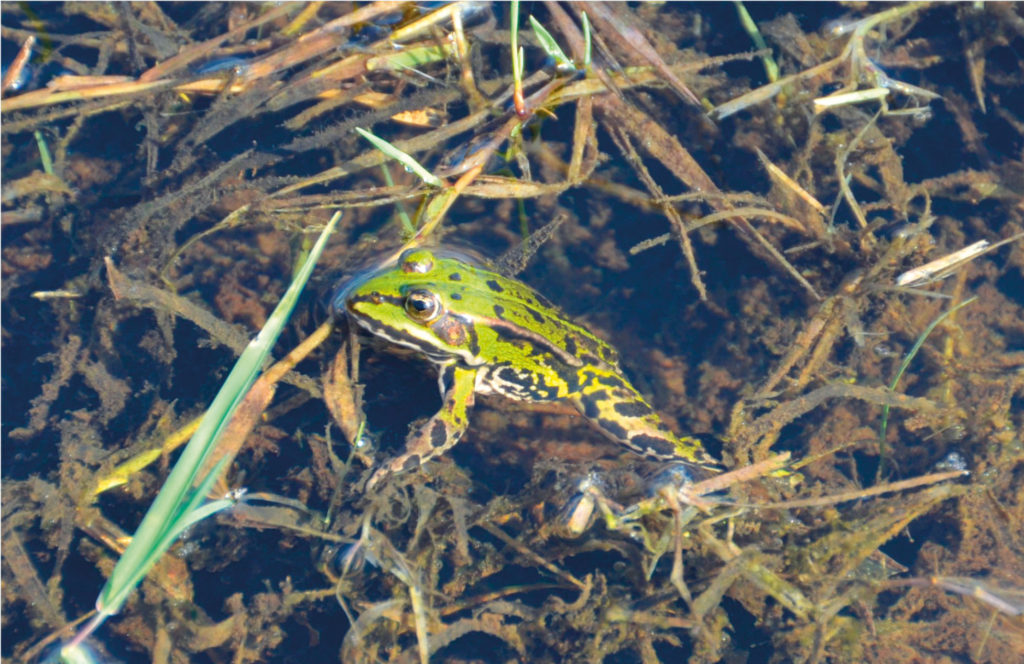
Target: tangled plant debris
(802,233)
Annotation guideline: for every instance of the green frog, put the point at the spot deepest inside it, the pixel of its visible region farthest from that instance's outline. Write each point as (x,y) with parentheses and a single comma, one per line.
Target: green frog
(490,334)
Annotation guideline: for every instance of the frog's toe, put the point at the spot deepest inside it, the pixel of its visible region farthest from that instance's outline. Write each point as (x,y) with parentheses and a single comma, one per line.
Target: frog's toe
(399,464)
(580,512)
(677,475)
(378,476)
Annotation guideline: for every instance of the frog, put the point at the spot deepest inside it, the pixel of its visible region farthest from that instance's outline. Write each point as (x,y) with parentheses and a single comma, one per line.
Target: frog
(490,334)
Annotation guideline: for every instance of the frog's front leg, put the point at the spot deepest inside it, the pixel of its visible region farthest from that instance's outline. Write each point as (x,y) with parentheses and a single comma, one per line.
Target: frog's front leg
(442,431)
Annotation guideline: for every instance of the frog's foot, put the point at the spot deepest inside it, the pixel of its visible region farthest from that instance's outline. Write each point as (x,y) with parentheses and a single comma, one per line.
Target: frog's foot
(679,474)
(581,511)
(420,448)
(407,461)
(672,487)
(442,431)
(667,489)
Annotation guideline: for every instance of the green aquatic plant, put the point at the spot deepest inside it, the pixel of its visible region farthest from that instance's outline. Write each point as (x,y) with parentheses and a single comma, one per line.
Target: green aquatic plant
(404,159)
(903,367)
(182,501)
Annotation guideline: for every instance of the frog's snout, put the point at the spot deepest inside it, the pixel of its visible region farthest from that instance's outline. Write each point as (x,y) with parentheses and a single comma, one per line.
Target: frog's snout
(341,303)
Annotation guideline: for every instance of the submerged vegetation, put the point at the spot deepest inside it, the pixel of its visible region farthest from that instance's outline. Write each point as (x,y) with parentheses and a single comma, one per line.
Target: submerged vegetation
(802,233)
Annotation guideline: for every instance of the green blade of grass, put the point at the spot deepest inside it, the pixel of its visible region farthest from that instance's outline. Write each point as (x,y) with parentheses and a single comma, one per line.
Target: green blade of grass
(771,69)
(899,374)
(44,153)
(411,58)
(586,41)
(517,70)
(179,505)
(403,215)
(404,159)
(517,51)
(550,46)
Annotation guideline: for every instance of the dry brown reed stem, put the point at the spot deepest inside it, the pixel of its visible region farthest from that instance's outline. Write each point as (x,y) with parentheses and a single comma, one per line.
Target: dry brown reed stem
(669,151)
(255,402)
(13,72)
(860,494)
(619,26)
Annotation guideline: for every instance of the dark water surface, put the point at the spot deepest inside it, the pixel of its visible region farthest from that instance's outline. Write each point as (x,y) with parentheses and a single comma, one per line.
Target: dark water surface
(204,188)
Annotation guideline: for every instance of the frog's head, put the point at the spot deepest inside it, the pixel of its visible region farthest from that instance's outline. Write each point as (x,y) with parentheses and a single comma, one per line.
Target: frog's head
(411,303)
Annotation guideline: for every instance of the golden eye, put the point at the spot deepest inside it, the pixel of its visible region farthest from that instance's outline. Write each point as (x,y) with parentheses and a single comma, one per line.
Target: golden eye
(422,305)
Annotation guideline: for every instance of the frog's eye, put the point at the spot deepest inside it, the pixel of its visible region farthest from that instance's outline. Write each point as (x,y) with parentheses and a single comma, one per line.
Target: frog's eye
(422,305)
(416,261)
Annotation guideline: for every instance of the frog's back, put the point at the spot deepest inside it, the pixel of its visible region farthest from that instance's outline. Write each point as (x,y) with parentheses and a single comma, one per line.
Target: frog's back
(519,311)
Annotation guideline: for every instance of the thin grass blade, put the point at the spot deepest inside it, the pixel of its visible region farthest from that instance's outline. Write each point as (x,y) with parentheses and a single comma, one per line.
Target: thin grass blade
(550,46)
(174,507)
(406,160)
